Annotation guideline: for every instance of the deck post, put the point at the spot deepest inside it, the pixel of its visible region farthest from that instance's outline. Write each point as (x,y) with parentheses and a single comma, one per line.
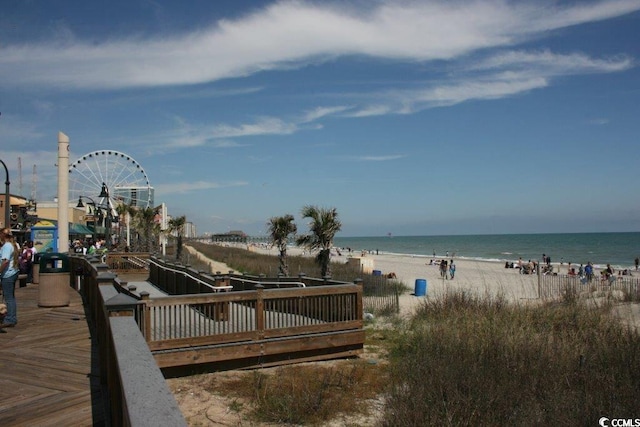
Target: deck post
(260,311)
(146,316)
(360,304)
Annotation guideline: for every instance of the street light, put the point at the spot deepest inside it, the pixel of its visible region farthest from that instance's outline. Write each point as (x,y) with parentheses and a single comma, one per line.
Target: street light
(96,211)
(7,199)
(104,194)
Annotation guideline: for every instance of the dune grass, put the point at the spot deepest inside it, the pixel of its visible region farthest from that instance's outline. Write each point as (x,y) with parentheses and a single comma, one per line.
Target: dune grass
(468,360)
(465,359)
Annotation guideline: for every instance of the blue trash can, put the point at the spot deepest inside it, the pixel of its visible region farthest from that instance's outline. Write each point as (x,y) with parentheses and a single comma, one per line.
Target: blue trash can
(421,288)
(377,273)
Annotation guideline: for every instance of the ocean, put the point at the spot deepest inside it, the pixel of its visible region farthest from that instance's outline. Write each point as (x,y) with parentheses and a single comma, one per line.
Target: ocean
(618,249)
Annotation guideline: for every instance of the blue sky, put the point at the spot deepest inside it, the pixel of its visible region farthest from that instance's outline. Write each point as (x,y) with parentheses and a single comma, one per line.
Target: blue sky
(409,117)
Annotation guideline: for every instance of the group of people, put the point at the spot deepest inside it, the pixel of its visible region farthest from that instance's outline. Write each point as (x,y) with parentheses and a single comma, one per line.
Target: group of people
(15,260)
(447,268)
(90,247)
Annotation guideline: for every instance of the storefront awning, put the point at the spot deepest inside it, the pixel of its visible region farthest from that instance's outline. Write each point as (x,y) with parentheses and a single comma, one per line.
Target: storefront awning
(79,229)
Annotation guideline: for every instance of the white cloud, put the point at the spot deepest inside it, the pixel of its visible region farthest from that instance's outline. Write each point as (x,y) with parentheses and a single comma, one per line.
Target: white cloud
(184,187)
(263,126)
(371,110)
(320,112)
(456,93)
(290,34)
(501,75)
(549,63)
(385,158)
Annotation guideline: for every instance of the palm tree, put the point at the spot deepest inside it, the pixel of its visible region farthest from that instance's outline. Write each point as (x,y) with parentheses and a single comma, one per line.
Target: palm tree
(177,225)
(280,227)
(123,210)
(144,220)
(324,225)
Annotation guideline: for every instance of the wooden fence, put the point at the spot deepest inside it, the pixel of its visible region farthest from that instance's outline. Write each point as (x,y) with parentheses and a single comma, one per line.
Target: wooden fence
(381,295)
(552,286)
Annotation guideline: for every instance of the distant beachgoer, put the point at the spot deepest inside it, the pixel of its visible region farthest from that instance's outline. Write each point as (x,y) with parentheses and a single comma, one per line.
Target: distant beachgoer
(544,258)
(443,269)
(609,273)
(637,263)
(452,270)
(588,271)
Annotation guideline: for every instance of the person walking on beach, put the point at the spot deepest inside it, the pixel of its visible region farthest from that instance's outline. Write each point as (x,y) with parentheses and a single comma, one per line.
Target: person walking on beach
(588,271)
(9,270)
(637,263)
(452,270)
(443,269)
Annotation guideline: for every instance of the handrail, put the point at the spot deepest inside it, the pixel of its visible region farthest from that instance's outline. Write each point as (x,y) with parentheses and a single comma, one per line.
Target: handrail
(137,395)
(191,276)
(258,282)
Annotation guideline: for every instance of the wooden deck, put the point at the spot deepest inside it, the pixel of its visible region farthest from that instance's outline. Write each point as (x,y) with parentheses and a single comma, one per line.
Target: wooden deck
(49,375)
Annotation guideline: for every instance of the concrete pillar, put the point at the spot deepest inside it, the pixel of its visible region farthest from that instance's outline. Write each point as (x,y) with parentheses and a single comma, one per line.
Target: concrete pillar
(63,193)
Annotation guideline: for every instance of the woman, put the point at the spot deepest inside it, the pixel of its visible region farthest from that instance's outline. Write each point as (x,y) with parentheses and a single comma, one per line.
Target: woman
(9,270)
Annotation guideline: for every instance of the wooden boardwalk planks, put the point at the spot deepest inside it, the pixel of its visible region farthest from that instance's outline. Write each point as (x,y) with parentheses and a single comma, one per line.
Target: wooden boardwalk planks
(48,372)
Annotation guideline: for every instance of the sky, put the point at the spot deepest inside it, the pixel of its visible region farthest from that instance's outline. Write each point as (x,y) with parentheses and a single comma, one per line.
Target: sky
(408,117)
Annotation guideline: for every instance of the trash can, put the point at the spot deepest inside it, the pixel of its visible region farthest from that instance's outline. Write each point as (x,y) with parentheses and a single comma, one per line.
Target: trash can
(421,288)
(36,269)
(55,280)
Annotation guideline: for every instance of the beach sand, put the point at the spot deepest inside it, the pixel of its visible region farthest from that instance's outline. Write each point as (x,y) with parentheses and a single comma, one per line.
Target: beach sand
(477,277)
(481,278)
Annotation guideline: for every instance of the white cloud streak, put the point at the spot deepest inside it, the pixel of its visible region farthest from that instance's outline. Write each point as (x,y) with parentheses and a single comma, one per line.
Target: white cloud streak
(290,34)
(381,158)
(185,187)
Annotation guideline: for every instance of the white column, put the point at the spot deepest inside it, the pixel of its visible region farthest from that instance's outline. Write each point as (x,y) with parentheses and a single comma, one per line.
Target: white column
(63,193)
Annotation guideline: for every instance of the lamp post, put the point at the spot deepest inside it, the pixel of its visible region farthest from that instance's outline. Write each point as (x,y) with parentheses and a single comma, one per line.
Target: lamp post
(95,209)
(7,198)
(104,194)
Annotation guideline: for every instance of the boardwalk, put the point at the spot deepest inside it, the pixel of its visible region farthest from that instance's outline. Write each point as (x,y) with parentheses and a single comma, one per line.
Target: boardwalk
(48,370)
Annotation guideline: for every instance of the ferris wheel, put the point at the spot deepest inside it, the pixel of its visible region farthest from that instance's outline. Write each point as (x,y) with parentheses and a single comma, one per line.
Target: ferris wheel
(109,178)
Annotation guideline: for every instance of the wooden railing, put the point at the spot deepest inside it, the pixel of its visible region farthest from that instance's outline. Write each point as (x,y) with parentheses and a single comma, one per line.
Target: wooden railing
(225,319)
(220,321)
(138,394)
(128,262)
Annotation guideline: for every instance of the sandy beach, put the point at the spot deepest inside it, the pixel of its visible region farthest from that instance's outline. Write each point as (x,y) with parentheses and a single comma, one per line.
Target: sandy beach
(482,278)
(478,277)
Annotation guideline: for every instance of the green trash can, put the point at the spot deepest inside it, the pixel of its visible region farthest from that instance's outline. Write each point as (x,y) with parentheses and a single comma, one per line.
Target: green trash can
(55,280)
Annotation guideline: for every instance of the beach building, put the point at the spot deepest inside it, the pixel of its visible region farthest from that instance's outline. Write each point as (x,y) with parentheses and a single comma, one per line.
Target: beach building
(234,236)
